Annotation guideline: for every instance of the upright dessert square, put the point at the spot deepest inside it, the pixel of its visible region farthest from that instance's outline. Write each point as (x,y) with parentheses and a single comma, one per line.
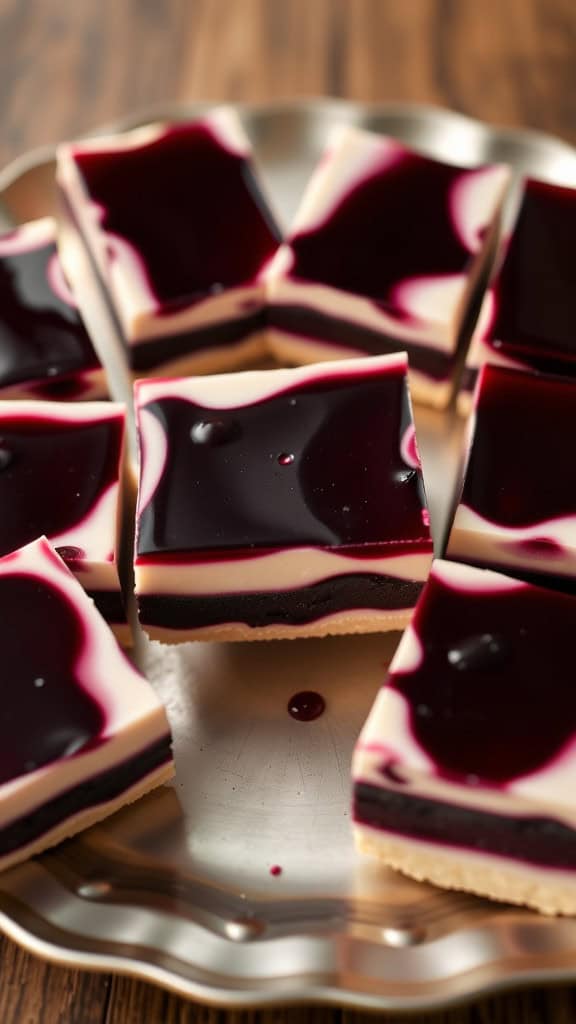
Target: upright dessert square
(280,503)
(387,250)
(464,772)
(45,351)
(60,475)
(528,315)
(81,732)
(517,508)
(178,231)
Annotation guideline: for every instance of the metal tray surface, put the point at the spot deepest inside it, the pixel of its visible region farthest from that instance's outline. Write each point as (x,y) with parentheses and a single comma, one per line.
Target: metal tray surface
(177,888)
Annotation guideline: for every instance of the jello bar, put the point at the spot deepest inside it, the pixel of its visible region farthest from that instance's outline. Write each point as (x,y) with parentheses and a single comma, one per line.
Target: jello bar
(82,732)
(45,350)
(528,314)
(178,231)
(280,503)
(61,475)
(517,507)
(388,250)
(464,771)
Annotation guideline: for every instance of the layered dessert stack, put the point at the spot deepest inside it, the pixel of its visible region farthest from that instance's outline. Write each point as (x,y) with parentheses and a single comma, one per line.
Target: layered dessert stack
(527,316)
(289,502)
(464,772)
(83,732)
(389,249)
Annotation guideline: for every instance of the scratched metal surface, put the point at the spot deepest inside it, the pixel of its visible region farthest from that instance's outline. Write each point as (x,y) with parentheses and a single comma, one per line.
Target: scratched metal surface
(177,888)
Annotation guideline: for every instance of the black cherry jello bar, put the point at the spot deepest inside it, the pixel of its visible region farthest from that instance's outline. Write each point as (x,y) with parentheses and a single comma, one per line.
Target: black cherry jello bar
(178,232)
(464,772)
(280,503)
(387,251)
(45,350)
(61,467)
(517,506)
(528,314)
(82,733)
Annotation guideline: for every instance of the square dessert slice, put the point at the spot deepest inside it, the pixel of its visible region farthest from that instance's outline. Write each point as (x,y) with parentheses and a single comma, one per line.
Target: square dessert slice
(61,467)
(528,314)
(45,351)
(387,251)
(178,230)
(464,771)
(82,732)
(517,507)
(280,503)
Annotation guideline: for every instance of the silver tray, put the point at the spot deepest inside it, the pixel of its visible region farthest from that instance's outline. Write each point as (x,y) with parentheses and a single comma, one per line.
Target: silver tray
(177,889)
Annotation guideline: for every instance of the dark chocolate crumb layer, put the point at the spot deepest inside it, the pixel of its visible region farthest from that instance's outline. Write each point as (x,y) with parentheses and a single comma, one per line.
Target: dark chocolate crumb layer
(535,840)
(103,788)
(110,604)
(288,607)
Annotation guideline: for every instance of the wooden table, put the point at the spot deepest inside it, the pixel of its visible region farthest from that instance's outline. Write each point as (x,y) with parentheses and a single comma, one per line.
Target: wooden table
(65,67)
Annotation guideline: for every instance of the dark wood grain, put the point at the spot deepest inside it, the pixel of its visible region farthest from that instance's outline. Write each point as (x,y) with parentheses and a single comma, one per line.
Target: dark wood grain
(33,992)
(67,67)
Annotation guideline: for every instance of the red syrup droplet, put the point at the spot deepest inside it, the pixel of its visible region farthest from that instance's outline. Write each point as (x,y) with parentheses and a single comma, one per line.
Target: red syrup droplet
(276,870)
(306,706)
(285,459)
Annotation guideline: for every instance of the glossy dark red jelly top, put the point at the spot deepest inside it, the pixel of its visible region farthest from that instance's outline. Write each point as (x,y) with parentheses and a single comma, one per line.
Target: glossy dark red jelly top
(52,473)
(536,288)
(493,699)
(41,336)
(318,464)
(189,206)
(521,469)
(393,225)
(46,714)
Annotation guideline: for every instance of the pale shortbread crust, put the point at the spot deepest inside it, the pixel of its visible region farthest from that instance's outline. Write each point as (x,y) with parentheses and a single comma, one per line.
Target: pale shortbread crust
(330,625)
(544,889)
(90,816)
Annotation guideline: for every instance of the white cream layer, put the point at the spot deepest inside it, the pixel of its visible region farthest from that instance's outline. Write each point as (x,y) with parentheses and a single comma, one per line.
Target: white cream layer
(235,390)
(478,539)
(288,569)
(135,718)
